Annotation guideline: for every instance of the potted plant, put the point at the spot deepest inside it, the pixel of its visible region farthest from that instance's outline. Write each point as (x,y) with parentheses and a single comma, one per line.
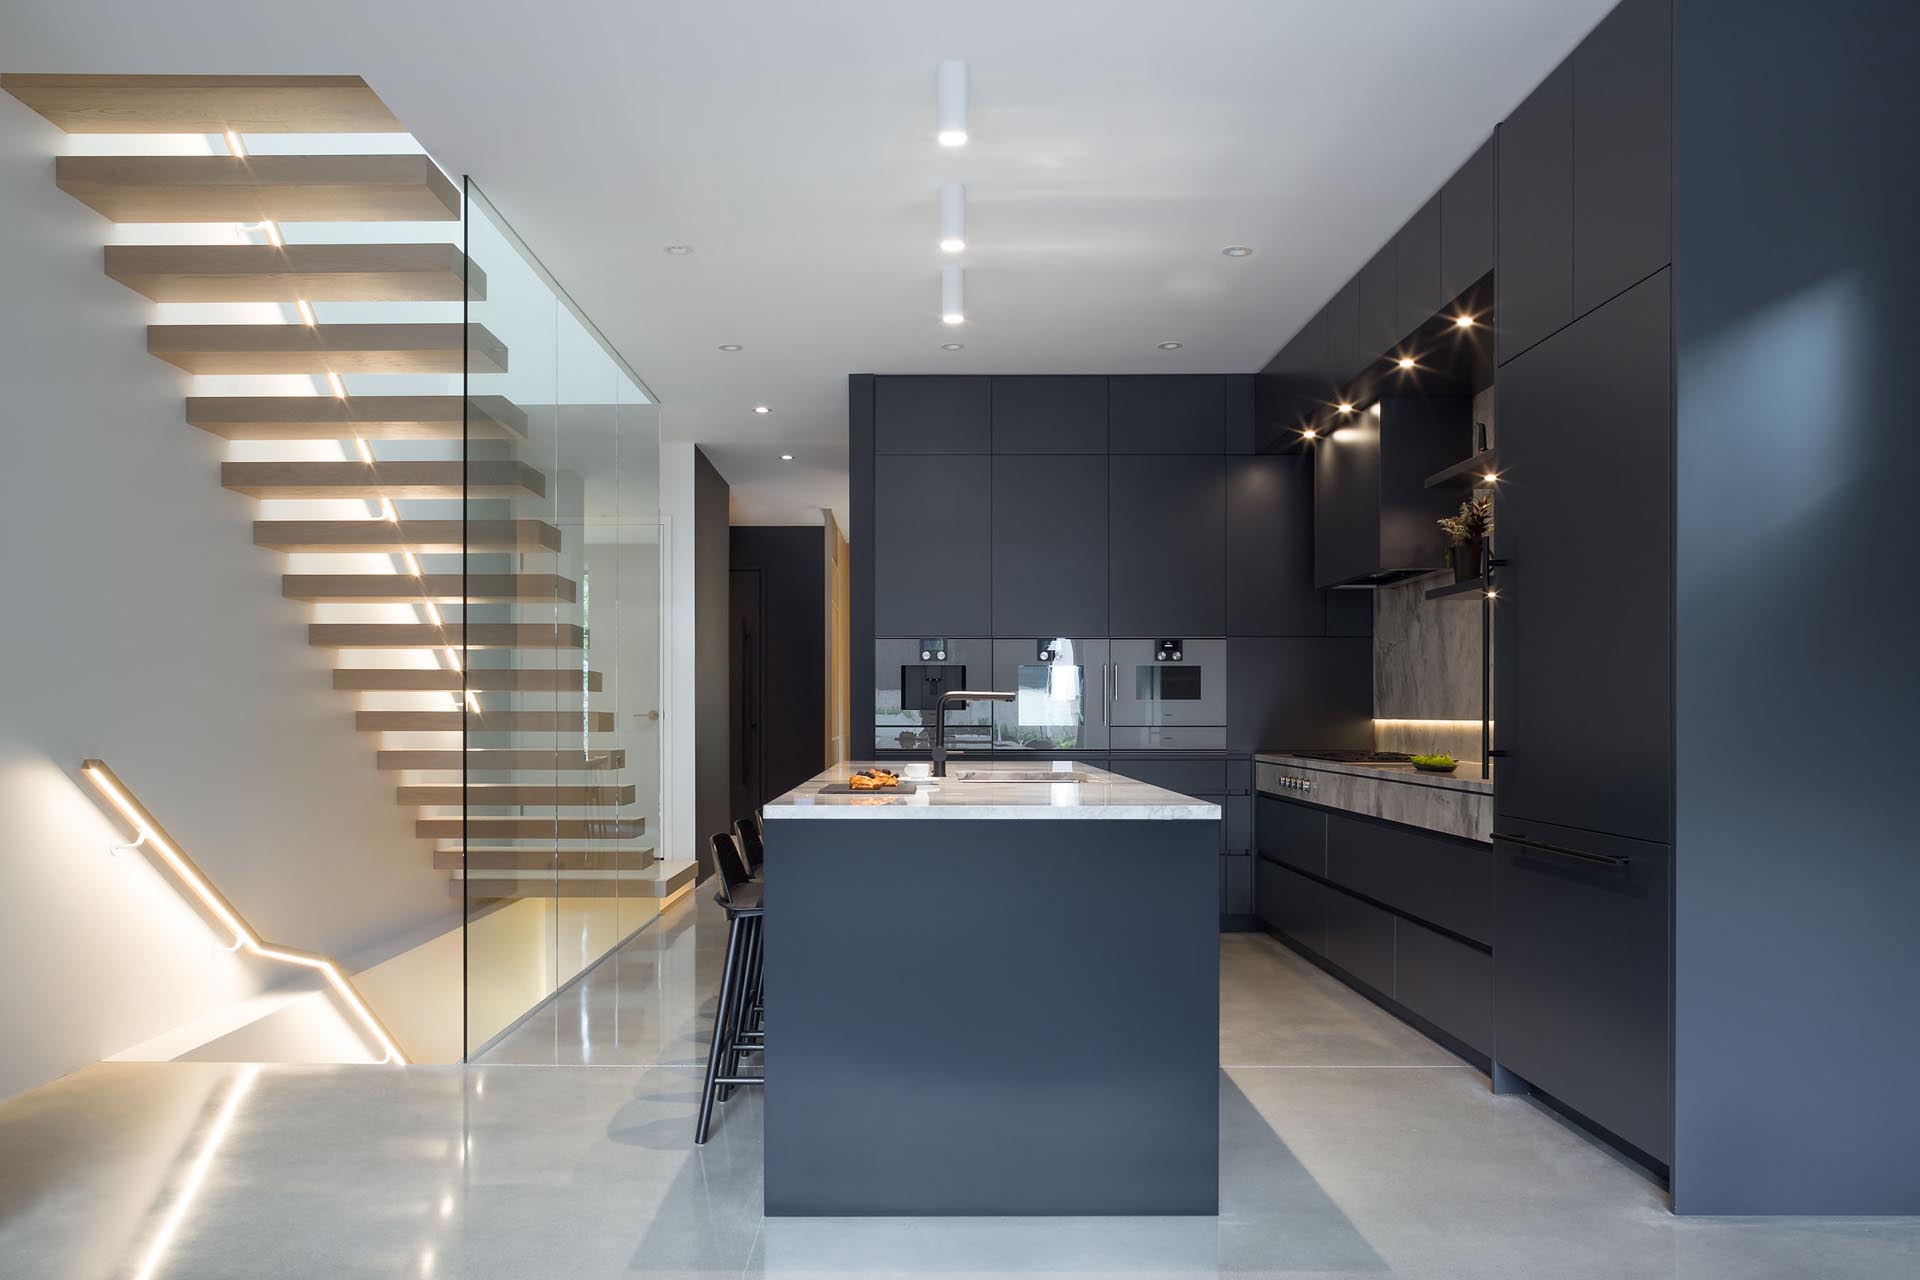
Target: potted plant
(1467,535)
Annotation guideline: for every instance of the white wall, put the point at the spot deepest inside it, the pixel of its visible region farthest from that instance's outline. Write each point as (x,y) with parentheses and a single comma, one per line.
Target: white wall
(679,833)
(141,625)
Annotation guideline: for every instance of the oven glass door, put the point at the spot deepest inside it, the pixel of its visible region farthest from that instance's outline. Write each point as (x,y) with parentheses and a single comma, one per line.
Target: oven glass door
(1190,691)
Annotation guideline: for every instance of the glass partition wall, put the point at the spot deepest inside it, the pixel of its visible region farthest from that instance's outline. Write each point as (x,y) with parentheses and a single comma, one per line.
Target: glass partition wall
(559,646)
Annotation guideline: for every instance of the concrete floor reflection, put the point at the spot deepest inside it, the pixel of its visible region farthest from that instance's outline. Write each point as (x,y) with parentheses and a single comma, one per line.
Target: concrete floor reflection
(1351,1147)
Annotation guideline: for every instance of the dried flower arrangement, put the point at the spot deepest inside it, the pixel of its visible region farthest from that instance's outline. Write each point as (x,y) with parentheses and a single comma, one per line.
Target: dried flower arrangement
(1473,524)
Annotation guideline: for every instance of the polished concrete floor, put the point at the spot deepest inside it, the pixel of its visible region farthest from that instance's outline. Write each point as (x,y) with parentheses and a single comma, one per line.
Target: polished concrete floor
(1352,1147)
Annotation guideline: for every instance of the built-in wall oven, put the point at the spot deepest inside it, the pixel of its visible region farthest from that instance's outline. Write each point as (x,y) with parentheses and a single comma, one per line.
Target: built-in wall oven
(1168,693)
(909,676)
(1059,687)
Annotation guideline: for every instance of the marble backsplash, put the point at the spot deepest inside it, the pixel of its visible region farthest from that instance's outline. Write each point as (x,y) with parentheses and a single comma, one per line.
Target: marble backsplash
(1427,657)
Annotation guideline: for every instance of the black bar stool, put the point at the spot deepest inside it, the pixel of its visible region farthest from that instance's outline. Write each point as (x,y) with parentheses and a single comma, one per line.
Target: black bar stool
(752,842)
(735,1017)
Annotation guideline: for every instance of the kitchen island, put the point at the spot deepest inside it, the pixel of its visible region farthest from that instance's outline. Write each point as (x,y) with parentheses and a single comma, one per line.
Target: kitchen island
(997,995)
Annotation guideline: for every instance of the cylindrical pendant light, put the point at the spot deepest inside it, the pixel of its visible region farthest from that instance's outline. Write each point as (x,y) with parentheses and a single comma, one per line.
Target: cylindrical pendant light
(953,295)
(953,217)
(951,103)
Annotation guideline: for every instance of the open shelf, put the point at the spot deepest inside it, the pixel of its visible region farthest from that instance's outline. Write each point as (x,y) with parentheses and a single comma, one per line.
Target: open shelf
(1470,474)
(1475,586)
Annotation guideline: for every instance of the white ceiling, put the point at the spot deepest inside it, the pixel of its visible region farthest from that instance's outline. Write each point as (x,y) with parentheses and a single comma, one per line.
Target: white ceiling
(1117,146)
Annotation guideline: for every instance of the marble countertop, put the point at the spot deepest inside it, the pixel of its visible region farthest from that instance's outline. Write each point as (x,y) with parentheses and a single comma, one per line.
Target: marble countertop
(1105,796)
(1465,778)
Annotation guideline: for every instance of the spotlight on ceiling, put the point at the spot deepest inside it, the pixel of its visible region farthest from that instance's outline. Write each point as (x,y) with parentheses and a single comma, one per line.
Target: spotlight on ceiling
(953,346)
(1405,362)
(1171,346)
(678,250)
(950,100)
(730,346)
(1237,251)
(953,218)
(760,408)
(1463,322)
(953,295)
(786,457)
(1344,407)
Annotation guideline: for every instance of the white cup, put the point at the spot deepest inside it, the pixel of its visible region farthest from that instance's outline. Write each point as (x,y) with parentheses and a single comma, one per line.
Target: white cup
(917,769)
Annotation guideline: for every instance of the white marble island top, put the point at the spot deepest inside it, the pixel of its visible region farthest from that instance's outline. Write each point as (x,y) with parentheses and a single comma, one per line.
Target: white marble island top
(1102,796)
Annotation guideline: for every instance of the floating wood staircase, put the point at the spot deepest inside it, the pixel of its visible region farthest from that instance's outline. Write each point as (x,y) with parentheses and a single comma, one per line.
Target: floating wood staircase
(505,819)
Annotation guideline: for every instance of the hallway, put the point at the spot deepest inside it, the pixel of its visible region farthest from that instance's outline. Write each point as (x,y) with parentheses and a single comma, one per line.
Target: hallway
(1351,1147)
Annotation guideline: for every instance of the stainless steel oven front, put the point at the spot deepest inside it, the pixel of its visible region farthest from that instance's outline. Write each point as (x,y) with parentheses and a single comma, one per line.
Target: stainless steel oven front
(1174,686)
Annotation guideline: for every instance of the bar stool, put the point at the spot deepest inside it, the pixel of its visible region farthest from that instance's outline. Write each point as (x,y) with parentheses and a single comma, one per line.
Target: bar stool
(734,1030)
(752,842)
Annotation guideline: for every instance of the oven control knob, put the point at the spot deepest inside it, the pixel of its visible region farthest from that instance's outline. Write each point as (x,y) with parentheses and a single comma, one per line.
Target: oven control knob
(926,655)
(1176,655)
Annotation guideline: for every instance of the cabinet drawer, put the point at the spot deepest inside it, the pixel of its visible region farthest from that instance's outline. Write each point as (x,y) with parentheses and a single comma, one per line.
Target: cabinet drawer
(1291,833)
(1446,982)
(1582,964)
(1446,882)
(1236,886)
(1290,904)
(1188,777)
(1360,940)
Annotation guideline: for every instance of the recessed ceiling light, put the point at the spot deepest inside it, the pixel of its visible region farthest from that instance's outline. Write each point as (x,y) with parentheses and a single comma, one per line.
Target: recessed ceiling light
(1405,362)
(1171,346)
(760,408)
(786,457)
(730,346)
(1344,407)
(678,250)
(1237,251)
(953,346)
(1464,322)
(1309,433)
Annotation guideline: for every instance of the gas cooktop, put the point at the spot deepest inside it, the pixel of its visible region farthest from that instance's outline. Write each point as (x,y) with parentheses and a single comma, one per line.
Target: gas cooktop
(1345,755)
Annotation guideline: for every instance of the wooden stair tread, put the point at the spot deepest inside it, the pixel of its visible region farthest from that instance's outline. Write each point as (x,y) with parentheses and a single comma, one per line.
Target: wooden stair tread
(315,272)
(535,828)
(327,188)
(543,794)
(423,537)
(324,348)
(660,880)
(425,635)
(504,760)
(441,588)
(484,679)
(451,478)
(489,721)
(626,860)
(369,417)
(205,104)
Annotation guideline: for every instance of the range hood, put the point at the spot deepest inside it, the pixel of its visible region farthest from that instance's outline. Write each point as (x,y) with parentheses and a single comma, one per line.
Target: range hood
(1374,519)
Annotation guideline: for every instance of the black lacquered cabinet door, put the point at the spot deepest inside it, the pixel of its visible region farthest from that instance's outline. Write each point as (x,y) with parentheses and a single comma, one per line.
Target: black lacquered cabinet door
(1050,545)
(932,415)
(1533,276)
(1622,151)
(1167,556)
(1584,618)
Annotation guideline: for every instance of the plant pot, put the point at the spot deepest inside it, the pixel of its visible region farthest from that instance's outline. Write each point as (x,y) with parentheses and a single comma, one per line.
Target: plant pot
(1468,560)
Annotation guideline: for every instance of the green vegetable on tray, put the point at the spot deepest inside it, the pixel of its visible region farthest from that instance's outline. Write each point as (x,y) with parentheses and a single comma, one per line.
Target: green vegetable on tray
(1438,764)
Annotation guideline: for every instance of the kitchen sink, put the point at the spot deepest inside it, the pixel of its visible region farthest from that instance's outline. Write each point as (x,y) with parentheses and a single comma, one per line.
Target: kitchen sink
(1019,775)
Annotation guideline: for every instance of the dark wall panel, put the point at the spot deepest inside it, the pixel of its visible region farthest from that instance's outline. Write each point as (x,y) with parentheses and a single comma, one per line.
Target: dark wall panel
(1050,546)
(933,565)
(1622,151)
(791,717)
(1180,413)
(1049,415)
(712,594)
(1466,223)
(1795,327)
(1270,588)
(1299,691)
(932,415)
(1533,278)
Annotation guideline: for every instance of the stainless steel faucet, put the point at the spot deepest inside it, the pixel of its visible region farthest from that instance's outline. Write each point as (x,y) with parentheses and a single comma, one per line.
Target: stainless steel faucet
(940,720)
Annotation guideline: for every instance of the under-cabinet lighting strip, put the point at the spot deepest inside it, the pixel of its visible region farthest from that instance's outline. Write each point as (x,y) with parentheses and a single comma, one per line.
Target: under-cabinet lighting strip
(153,836)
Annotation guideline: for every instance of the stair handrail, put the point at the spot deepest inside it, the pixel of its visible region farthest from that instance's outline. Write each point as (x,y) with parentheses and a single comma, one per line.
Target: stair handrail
(153,836)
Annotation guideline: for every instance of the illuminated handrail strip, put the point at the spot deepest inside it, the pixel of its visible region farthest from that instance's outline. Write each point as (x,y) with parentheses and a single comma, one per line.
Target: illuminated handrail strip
(154,836)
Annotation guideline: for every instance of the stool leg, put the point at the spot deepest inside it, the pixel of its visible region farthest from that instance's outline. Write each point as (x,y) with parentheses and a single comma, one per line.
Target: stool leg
(721,1039)
(742,1003)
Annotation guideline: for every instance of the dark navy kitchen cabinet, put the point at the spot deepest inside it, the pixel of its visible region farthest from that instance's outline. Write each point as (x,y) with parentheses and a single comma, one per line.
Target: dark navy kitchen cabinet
(1622,151)
(1582,972)
(1345,356)
(1466,224)
(1373,516)
(1236,885)
(1050,545)
(1049,415)
(932,560)
(1447,982)
(1380,330)
(1270,589)
(1533,278)
(932,415)
(1316,689)
(1291,833)
(1436,878)
(1585,616)
(1172,413)
(1416,269)
(1290,904)
(1360,940)
(1167,563)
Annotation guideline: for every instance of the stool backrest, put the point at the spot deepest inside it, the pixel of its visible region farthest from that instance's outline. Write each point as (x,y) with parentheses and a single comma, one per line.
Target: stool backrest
(727,860)
(747,830)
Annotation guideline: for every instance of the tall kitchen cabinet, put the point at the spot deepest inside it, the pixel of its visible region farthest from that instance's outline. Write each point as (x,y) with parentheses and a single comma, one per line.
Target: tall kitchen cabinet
(1584,624)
